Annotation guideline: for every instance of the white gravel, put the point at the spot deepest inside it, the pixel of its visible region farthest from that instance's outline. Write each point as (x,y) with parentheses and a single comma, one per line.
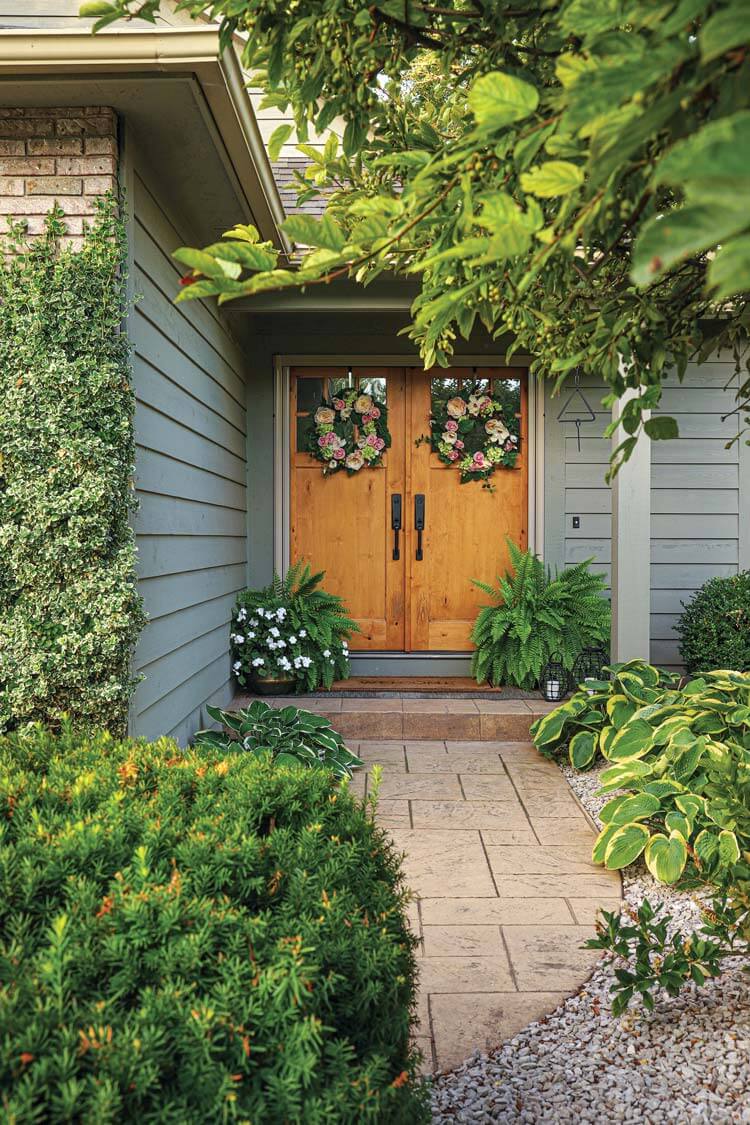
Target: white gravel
(688,1061)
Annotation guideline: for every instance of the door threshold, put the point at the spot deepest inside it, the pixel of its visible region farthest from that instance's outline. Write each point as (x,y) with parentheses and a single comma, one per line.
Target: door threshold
(422,686)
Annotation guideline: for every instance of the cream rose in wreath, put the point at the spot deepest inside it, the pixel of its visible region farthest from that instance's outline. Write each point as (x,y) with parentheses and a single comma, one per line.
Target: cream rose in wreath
(350,432)
(477,434)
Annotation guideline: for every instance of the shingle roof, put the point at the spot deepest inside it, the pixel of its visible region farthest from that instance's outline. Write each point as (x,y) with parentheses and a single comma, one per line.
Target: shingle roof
(283,172)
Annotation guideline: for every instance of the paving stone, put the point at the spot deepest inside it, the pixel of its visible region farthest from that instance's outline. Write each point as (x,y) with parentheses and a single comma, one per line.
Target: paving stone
(420,786)
(437,706)
(549,957)
(464,1023)
(423,1043)
(438,724)
(541,860)
(463,941)
(457,762)
(367,724)
(393,814)
(563,831)
(371,705)
(466,974)
(505,726)
(488,787)
(471,814)
(586,910)
(550,805)
(444,863)
(495,911)
(597,883)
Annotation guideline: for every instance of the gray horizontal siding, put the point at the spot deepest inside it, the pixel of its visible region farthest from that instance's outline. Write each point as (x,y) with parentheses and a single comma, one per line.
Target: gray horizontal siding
(191,480)
(64,14)
(695,499)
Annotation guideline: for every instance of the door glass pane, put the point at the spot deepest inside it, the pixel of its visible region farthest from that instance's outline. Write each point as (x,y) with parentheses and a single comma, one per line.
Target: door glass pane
(309,395)
(374,386)
(508,392)
(475,386)
(339,384)
(304,424)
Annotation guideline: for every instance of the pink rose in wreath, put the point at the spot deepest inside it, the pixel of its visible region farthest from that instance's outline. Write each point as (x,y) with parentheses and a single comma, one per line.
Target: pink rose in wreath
(379,443)
(372,439)
(479,462)
(454,455)
(339,403)
(339,454)
(451,426)
(328,439)
(459,444)
(375,412)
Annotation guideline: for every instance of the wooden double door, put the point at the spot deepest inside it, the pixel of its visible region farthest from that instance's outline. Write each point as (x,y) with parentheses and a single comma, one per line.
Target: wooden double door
(405,599)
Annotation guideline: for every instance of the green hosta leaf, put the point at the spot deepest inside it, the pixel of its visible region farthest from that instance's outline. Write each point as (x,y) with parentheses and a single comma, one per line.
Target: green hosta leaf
(635,808)
(498,99)
(666,856)
(625,845)
(633,741)
(553,178)
(678,822)
(607,812)
(285,759)
(605,740)
(582,749)
(729,851)
(620,709)
(602,842)
(668,729)
(707,847)
(549,728)
(690,804)
(620,776)
(662,789)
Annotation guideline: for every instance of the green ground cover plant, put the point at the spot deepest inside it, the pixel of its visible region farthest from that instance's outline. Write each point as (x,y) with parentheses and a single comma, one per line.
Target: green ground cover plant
(69,610)
(679,779)
(193,936)
(714,629)
(291,735)
(291,629)
(536,615)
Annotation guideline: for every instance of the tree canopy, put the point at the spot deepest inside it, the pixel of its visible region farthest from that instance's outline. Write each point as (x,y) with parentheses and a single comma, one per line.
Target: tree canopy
(573,174)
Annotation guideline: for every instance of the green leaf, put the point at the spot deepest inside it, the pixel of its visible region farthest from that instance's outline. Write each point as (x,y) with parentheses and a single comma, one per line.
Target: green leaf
(553,178)
(729,850)
(498,99)
(723,31)
(635,808)
(666,856)
(354,137)
(625,845)
(602,842)
(711,158)
(277,140)
(582,749)
(633,741)
(707,847)
(729,271)
(666,240)
(96,8)
(661,428)
(308,231)
(620,709)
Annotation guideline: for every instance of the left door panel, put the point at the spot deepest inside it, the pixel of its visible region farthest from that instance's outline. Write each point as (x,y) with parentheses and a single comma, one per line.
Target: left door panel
(342,524)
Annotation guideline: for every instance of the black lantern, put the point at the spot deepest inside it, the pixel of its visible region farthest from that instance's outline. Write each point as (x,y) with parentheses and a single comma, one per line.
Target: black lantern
(554,681)
(590,665)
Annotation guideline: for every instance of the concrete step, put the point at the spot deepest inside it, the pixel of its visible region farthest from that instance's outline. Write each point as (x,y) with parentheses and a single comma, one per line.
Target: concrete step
(440,717)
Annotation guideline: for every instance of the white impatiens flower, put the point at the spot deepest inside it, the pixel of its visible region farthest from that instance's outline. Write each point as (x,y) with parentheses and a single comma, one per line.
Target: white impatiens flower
(237,639)
(303,632)
(326,652)
(280,643)
(237,665)
(258,662)
(284,663)
(306,661)
(241,614)
(250,635)
(280,613)
(274,631)
(292,640)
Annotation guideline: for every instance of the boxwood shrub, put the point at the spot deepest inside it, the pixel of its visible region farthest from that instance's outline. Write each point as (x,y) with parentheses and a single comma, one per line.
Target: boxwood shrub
(714,629)
(190,937)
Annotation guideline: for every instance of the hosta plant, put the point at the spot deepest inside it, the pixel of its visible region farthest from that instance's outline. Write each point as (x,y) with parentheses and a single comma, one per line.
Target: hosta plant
(291,628)
(679,779)
(290,735)
(536,616)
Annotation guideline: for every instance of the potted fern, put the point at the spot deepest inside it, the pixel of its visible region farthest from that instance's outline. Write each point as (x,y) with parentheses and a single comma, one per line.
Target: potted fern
(534,616)
(290,635)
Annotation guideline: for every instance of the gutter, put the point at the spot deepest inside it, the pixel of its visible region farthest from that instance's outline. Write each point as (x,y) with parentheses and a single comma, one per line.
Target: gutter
(42,53)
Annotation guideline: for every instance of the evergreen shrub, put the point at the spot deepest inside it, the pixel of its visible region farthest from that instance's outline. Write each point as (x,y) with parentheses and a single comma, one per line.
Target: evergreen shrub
(196,937)
(69,610)
(714,629)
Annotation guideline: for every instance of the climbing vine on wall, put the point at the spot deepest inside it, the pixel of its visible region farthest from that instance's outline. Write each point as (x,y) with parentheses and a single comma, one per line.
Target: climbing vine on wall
(69,608)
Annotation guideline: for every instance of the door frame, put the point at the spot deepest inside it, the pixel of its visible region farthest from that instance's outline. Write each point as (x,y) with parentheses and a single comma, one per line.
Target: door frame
(282,446)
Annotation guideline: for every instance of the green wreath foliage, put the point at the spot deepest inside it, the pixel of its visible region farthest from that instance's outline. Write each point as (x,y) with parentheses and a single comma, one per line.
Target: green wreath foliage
(69,608)
(476,432)
(350,431)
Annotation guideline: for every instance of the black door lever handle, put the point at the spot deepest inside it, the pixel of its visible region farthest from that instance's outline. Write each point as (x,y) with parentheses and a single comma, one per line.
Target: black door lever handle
(419,523)
(396,523)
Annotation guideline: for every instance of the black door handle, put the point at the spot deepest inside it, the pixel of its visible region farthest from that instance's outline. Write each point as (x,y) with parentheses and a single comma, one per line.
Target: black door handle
(396,522)
(419,523)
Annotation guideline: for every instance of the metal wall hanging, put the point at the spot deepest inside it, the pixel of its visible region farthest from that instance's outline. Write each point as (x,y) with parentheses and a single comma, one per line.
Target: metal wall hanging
(573,410)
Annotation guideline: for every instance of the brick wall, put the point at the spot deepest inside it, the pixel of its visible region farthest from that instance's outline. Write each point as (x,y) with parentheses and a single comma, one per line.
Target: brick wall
(68,156)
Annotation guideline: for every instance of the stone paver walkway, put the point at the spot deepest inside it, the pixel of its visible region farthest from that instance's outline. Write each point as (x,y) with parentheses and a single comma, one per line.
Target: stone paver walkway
(498,853)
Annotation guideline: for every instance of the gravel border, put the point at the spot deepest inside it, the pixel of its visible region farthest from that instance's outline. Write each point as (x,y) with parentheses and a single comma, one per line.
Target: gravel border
(688,1061)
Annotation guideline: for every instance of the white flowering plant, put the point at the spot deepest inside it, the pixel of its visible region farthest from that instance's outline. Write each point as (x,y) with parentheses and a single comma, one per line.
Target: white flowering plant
(292,630)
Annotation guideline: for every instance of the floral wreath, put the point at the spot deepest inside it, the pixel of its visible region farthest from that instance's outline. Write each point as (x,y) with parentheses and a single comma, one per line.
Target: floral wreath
(350,432)
(476,434)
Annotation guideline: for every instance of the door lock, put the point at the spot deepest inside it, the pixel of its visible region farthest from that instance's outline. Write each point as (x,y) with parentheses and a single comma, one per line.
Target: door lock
(396,522)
